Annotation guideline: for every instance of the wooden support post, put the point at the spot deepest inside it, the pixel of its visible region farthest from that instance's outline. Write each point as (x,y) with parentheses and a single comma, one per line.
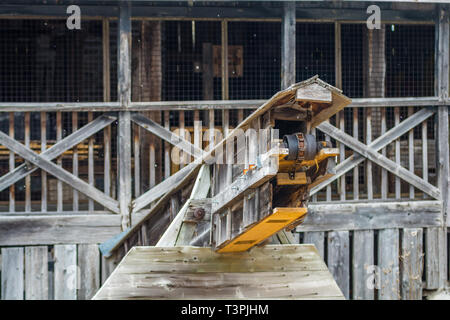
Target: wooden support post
(12,160)
(225,95)
(124,130)
(288,45)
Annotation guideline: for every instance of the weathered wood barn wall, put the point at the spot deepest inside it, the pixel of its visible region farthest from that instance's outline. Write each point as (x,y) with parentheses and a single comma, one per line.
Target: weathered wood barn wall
(81,154)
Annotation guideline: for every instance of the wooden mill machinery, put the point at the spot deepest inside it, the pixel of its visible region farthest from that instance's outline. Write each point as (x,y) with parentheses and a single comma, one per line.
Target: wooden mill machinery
(250,186)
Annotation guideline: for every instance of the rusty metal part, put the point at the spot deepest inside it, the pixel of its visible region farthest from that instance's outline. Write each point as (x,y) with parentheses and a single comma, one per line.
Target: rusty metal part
(199,213)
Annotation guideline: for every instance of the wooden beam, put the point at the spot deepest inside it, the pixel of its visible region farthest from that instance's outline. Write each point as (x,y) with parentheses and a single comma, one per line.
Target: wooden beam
(372,215)
(288,45)
(61,174)
(123,55)
(57,149)
(12,283)
(371,154)
(379,143)
(167,135)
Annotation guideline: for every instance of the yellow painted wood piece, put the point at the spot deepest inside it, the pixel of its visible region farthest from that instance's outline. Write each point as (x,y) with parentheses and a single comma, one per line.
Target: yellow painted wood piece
(283,179)
(279,219)
(323,154)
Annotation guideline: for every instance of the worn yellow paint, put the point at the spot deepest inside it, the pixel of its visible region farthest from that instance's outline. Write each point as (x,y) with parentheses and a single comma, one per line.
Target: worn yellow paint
(323,154)
(284,179)
(279,219)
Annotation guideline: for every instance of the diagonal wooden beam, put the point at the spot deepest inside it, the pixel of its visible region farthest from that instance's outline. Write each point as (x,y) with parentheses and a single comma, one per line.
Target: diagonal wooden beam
(57,149)
(379,143)
(167,135)
(372,154)
(61,174)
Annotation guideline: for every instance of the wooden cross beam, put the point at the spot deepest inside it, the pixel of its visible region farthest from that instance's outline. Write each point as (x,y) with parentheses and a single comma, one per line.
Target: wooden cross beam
(372,154)
(379,143)
(167,135)
(61,174)
(57,149)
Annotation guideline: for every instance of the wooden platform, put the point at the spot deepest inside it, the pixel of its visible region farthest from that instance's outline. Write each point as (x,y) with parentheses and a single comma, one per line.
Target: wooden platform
(269,272)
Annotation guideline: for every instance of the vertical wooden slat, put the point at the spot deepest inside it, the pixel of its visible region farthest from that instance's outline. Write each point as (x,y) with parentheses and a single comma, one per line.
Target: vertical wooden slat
(342,154)
(66,272)
(75,206)
(314,196)
(28,177)
(166,146)
(411,152)
(59,185)
(288,25)
(411,264)
(318,239)
(89,266)
(362,261)
(12,283)
(91,178)
(224,46)
(434,262)
(384,186)
(106,98)
(43,173)
(12,197)
(108,266)
(124,163)
(356,169)
(183,155)
(369,181)
(228,153)
(388,262)
(137,161)
(36,273)
(107,160)
(397,154)
(339,259)
(425,153)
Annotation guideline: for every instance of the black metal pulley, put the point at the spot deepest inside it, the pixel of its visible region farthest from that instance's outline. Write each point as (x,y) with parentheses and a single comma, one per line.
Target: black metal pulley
(301,146)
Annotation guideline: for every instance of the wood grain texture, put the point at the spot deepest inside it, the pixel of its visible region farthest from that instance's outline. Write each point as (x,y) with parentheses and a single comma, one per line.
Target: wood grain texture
(12,274)
(36,273)
(66,272)
(362,259)
(411,264)
(338,259)
(89,266)
(270,272)
(388,262)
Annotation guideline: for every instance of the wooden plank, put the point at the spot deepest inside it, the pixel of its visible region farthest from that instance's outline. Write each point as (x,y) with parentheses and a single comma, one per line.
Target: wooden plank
(91,163)
(369,163)
(57,149)
(224,59)
(124,163)
(288,45)
(411,264)
(57,229)
(137,161)
(341,160)
(166,146)
(242,276)
(411,152)
(317,239)
(36,273)
(434,259)
(338,259)
(388,262)
(106,60)
(43,173)
(384,186)
(356,169)
(397,154)
(381,142)
(27,178)
(167,135)
(362,261)
(424,152)
(59,186)
(108,266)
(66,273)
(207,71)
(12,274)
(59,172)
(375,215)
(284,179)
(89,266)
(124,55)
(11,164)
(75,206)
(374,156)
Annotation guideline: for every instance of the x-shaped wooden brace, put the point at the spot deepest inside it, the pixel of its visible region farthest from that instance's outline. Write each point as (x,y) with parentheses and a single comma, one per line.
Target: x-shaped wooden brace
(371,152)
(44,162)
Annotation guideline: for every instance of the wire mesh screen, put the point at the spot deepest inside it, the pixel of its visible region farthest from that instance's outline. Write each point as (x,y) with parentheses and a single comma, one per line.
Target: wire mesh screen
(352,59)
(315,51)
(409,60)
(43,61)
(254,59)
(184,44)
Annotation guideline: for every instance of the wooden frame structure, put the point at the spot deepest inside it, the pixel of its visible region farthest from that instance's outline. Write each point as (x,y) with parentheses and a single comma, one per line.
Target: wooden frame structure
(402,221)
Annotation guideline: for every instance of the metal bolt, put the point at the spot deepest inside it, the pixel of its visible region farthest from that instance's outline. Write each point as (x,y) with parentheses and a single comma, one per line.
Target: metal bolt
(199,213)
